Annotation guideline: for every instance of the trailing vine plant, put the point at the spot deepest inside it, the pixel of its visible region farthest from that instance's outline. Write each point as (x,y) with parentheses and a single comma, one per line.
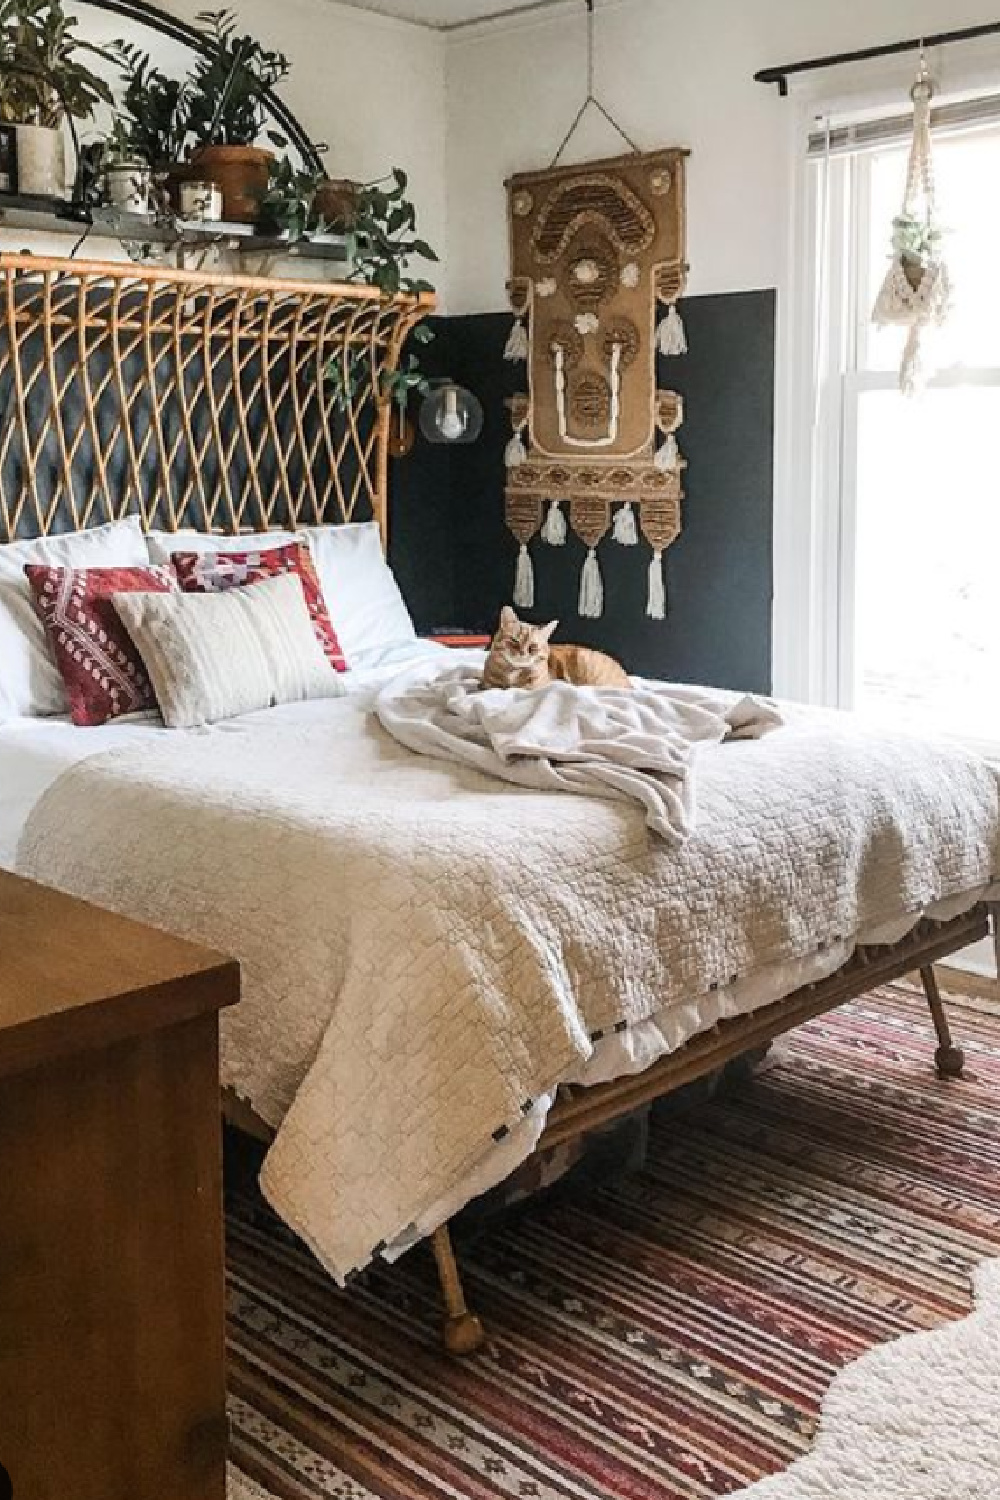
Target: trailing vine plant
(381,244)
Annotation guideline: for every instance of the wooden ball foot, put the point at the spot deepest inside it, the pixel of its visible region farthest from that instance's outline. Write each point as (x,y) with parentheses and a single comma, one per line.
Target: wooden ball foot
(950,1061)
(464,1335)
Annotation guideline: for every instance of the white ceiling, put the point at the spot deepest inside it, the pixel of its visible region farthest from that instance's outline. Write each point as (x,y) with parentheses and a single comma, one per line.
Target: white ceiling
(447,15)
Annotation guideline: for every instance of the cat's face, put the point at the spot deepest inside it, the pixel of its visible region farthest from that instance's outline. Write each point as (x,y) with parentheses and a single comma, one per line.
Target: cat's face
(523,649)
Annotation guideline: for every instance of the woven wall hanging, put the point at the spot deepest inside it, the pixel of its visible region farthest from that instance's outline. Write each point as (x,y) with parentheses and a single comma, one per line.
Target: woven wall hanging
(597,265)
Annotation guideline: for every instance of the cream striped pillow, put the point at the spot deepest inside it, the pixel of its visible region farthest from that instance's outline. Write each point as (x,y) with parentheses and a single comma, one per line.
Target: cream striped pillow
(215,656)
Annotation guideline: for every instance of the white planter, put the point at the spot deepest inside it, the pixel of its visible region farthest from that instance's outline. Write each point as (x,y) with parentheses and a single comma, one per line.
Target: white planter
(128,187)
(41,161)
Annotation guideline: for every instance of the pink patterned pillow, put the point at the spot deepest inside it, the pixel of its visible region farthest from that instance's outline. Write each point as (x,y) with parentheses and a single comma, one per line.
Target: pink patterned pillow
(100,667)
(214,572)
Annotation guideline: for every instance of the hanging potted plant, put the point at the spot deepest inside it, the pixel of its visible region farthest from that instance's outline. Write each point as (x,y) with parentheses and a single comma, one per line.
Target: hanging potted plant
(916,242)
(44,80)
(226,110)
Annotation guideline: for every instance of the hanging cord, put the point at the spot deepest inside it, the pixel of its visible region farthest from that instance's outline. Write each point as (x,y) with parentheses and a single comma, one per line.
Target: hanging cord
(592,101)
(920,172)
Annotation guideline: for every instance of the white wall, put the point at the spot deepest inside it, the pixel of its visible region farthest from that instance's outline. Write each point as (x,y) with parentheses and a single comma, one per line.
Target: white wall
(372,88)
(674,73)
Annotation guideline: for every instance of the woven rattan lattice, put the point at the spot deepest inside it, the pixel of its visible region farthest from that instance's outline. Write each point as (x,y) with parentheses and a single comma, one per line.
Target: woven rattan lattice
(191,399)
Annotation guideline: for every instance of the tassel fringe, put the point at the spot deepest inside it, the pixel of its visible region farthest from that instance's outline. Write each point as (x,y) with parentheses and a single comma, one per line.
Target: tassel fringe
(625,531)
(515,454)
(671,339)
(517,344)
(591,588)
(656,605)
(554,530)
(524,580)
(668,456)
(913,373)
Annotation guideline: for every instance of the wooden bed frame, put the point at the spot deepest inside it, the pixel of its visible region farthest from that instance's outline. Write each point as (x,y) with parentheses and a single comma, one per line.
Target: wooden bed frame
(196,399)
(580,1110)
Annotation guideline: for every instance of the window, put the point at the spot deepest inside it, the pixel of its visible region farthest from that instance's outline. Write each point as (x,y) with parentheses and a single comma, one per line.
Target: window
(906,492)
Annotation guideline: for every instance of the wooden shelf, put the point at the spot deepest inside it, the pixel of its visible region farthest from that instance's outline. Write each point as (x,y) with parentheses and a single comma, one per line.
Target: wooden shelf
(57,216)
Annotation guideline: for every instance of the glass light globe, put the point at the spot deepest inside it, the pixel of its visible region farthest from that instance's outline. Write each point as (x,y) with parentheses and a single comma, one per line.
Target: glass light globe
(451,414)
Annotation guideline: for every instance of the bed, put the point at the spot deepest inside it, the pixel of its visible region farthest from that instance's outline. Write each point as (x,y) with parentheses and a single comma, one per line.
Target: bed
(444,974)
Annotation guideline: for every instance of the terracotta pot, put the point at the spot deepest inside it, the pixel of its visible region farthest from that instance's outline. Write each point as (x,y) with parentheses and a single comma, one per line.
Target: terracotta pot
(242,172)
(336,203)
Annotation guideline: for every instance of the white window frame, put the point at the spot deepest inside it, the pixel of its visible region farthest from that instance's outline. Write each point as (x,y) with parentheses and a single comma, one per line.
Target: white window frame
(818,387)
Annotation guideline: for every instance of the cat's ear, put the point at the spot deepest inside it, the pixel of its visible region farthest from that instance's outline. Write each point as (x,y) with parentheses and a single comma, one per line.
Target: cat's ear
(548,631)
(508,619)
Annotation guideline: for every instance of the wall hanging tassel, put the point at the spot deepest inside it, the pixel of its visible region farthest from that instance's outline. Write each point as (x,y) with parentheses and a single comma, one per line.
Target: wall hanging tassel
(524,580)
(515,454)
(625,531)
(668,455)
(656,604)
(660,521)
(591,588)
(517,348)
(671,338)
(554,530)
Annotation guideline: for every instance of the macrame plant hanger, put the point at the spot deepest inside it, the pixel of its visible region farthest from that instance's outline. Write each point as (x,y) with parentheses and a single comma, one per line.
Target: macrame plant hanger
(916,293)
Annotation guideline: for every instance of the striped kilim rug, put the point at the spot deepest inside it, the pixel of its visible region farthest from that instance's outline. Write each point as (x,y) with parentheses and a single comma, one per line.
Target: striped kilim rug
(666,1335)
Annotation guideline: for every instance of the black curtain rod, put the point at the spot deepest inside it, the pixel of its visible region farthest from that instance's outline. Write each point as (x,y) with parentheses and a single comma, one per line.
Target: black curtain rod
(780,76)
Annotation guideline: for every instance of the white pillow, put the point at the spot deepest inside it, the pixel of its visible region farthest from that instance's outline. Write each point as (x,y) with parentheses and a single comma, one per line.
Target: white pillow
(362,596)
(162,544)
(30,683)
(216,656)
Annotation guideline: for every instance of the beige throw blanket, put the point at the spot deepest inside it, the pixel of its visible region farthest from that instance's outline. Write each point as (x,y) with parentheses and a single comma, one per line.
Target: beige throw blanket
(425,950)
(636,743)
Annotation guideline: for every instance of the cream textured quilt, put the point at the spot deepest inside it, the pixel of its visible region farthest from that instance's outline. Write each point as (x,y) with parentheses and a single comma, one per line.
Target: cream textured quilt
(425,950)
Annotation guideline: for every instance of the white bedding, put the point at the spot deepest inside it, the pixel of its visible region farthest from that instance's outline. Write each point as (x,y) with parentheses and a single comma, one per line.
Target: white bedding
(929,841)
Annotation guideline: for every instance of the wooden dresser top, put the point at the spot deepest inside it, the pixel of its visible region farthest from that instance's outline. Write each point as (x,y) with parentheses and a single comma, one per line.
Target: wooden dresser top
(73,976)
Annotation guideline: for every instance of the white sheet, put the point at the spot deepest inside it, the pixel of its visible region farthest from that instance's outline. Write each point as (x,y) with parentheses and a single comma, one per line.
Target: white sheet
(35,752)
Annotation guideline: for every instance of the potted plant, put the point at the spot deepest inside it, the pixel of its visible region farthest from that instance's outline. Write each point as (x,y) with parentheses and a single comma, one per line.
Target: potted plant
(300,201)
(126,177)
(917,244)
(290,203)
(44,79)
(226,112)
(153,110)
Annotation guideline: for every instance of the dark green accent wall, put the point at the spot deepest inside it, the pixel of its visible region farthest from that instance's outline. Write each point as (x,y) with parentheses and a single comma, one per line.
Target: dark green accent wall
(455,558)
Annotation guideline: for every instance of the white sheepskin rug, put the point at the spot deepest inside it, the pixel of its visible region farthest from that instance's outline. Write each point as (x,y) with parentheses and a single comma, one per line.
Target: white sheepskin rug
(918,1419)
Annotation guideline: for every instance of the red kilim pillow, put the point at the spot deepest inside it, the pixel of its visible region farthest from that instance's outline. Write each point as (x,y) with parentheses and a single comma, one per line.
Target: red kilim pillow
(214,572)
(102,671)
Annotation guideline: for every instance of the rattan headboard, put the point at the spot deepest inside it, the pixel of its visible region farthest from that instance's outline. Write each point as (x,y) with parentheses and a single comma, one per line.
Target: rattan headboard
(191,399)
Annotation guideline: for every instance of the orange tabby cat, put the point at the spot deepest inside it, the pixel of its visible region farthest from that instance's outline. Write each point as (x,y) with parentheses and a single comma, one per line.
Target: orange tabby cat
(521,657)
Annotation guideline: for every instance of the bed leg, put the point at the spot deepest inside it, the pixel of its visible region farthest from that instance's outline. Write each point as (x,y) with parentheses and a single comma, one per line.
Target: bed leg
(950,1059)
(463,1332)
